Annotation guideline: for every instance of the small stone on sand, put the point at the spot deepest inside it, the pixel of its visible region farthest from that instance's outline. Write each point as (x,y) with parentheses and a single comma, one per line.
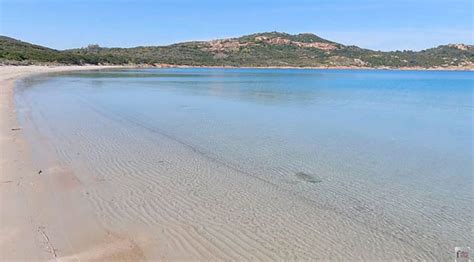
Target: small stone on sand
(308,177)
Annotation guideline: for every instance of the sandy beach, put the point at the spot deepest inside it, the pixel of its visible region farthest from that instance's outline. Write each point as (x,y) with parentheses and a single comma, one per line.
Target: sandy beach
(41,217)
(236,131)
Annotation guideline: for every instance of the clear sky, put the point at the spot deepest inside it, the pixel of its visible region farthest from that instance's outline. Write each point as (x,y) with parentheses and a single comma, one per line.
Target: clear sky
(375,24)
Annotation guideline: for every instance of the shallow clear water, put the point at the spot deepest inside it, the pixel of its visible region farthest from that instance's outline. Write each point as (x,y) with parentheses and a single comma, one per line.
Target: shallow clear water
(392,150)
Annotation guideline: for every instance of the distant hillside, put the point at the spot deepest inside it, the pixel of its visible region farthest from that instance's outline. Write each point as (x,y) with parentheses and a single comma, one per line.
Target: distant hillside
(257,50)
(15,50)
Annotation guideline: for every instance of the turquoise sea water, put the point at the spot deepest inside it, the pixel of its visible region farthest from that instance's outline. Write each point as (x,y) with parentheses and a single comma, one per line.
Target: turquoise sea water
(392,150)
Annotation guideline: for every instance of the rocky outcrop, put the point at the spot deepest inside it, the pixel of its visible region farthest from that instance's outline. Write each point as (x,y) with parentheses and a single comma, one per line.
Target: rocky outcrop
(461,46)
(284,41)
(233,45)
(226,45)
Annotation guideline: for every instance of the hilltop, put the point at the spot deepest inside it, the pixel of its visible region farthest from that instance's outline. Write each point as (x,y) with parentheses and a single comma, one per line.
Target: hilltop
(272,49)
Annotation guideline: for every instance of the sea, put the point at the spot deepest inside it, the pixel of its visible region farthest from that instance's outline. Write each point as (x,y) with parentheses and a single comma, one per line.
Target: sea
(361,164)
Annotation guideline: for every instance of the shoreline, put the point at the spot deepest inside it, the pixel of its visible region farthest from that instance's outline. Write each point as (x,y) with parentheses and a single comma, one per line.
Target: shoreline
(468,68)
(39,209)
(454,68)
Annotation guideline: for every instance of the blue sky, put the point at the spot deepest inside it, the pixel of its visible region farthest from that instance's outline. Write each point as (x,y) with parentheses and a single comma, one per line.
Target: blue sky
(381,25)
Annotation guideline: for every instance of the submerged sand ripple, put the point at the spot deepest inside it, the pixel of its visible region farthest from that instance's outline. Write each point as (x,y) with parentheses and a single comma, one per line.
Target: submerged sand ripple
(157,197)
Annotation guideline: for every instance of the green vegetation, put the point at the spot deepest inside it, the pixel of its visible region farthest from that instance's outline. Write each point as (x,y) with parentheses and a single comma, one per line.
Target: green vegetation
(264,49)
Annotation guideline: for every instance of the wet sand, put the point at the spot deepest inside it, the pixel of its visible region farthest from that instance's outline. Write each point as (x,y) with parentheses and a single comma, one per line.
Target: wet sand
(43,217)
